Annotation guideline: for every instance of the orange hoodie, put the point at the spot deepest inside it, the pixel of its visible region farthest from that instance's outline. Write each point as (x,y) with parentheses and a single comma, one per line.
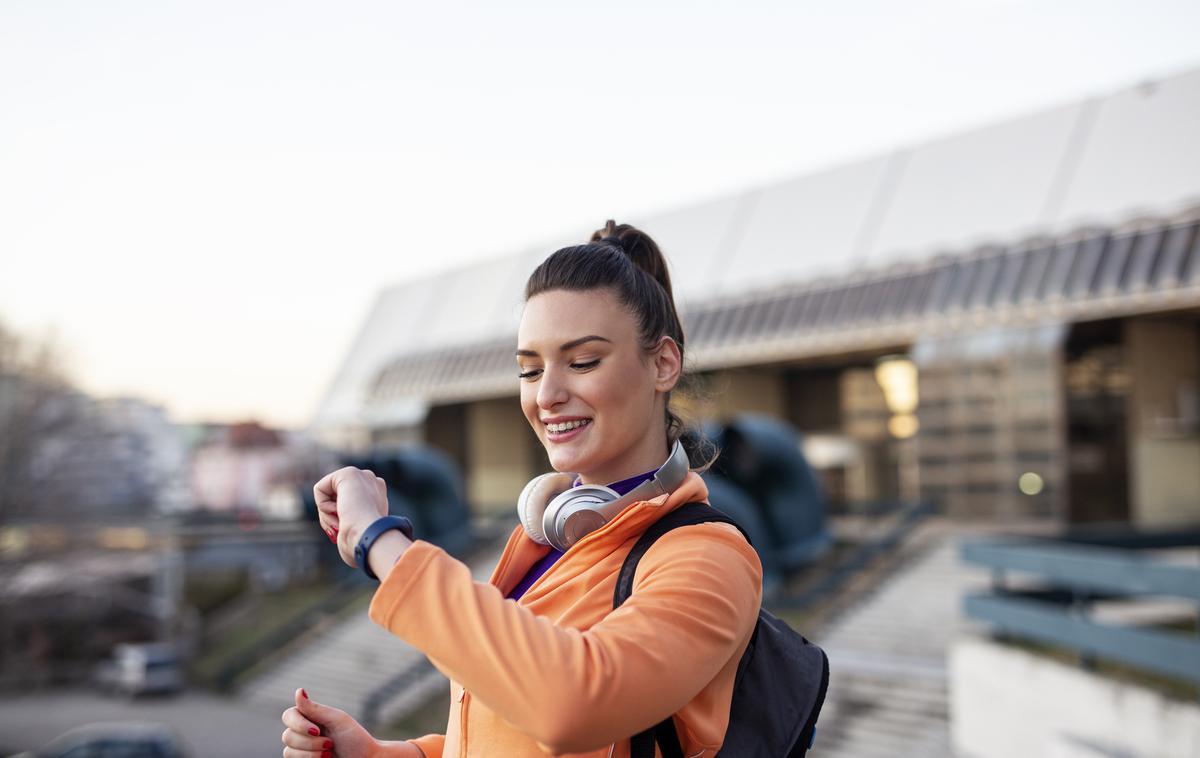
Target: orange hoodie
(559,672)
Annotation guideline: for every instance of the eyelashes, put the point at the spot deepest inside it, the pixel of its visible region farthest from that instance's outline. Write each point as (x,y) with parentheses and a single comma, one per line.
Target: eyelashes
(586,366)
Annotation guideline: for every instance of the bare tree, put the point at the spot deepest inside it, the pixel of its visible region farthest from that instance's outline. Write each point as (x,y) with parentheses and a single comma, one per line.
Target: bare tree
(59,458)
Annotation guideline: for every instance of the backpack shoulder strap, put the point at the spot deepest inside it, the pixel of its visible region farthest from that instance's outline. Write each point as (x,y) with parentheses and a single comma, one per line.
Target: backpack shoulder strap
(685,515)
(642,744)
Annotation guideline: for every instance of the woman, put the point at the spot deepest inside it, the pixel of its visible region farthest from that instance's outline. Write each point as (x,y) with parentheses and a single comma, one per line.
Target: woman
(539,662)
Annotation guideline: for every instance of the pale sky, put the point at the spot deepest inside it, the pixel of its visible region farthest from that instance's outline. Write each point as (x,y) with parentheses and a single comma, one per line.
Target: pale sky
(201,200)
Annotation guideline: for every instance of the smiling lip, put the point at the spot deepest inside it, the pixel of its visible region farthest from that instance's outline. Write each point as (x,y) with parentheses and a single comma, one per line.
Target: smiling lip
(569,434)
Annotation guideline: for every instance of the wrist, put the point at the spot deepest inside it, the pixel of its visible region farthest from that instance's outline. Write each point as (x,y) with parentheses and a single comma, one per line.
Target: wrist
(386,551)
(380,530)
(354,531)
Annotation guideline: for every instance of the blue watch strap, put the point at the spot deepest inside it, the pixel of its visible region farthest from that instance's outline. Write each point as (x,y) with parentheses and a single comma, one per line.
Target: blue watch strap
(378,527)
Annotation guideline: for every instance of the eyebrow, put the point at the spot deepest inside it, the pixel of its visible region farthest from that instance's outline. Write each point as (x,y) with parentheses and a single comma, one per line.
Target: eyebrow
(564,347)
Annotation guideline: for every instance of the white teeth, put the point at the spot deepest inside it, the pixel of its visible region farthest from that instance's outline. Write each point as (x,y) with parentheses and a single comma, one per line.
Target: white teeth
(567,425)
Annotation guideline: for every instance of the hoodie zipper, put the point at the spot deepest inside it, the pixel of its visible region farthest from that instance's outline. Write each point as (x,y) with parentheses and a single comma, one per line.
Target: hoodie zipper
(462,723)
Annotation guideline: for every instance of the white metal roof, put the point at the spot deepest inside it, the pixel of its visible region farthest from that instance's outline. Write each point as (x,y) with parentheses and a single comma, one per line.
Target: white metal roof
(1099,161)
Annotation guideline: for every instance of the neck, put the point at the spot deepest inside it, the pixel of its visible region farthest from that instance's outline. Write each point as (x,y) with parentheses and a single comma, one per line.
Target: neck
(650,453)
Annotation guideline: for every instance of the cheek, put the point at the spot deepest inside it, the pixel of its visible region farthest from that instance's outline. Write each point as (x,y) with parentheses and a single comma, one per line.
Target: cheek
(529,405)
(623,401)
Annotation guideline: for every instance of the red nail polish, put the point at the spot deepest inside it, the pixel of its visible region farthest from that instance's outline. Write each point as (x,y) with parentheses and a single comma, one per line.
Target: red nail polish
(303,694)
(327,754)
(314,731)
(328,745)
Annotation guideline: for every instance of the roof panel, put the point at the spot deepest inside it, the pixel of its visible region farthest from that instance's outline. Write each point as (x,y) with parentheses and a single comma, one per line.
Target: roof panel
(698,242)
(1086,272)
(985,281)
(1113,265)
(1141,154)
(1191,267)
(985,186)
(1174,256)
(803,228)
(1036,265)
(1143,259)
(1054,287)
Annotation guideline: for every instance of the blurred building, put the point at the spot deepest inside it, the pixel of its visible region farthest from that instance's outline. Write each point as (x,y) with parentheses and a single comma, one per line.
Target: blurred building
(1004,321)
(246,466)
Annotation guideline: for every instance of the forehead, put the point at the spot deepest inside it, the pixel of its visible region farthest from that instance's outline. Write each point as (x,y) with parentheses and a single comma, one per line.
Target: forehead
(554,317)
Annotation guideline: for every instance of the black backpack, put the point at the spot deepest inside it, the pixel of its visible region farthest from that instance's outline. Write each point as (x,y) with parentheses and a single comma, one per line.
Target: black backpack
(781,678)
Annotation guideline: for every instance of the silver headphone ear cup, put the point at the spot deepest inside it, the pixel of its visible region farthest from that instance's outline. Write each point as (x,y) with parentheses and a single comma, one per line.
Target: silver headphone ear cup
(566,507)
(531,505)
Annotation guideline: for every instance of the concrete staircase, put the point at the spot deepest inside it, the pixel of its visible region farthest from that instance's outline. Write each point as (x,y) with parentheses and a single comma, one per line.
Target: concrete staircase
(345,660)
(887,654)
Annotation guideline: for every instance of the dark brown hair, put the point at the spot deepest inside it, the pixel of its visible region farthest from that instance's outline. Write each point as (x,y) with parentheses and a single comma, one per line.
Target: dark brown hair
(624,259)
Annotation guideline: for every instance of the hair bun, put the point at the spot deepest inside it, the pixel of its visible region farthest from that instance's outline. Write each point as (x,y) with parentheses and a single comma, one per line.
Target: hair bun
(643,252)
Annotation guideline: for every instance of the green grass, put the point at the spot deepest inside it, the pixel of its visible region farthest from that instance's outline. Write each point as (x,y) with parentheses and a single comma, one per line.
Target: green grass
(213,590)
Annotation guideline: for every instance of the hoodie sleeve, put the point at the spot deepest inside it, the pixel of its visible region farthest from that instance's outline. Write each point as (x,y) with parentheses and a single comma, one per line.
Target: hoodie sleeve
(430,745)
(694,605)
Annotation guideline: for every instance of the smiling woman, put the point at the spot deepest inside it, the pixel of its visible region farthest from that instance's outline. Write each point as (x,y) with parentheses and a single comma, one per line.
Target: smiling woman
(539,660)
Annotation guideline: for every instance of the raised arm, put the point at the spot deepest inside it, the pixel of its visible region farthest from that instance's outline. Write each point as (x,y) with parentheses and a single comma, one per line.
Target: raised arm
(693,608)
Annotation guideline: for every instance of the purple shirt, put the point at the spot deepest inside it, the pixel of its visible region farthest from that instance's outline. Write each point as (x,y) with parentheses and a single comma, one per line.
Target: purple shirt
(623,487)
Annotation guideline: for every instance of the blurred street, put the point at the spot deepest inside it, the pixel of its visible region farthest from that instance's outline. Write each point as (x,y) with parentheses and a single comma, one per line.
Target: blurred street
(208,725)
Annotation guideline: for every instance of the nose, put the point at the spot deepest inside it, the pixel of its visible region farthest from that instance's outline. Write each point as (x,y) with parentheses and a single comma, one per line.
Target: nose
(552,389)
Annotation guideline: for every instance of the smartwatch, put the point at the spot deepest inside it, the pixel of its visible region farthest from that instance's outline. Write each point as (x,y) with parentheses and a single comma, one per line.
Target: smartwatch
(378,527)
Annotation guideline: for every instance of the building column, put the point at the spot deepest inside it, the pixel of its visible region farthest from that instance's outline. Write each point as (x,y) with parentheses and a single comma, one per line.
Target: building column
(501,460)
(1164,420)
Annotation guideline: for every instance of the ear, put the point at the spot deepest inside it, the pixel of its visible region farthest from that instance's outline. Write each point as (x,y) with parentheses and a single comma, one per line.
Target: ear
(668,364)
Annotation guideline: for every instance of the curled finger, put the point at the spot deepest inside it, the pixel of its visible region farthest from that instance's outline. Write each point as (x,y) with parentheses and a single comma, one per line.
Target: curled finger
(306,743)
(296,722)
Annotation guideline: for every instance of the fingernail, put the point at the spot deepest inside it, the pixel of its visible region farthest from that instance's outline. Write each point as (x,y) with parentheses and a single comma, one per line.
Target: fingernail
(329,534)
(327,754)
(314,731)
(303,694)
(328,744)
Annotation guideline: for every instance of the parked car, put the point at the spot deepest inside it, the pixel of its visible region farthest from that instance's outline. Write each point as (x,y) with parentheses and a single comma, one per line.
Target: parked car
(143,668)
(113,740)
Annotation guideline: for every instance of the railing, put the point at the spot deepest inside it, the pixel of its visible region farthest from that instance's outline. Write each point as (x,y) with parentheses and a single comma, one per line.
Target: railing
(374,700)
(1072,574)
(908,516)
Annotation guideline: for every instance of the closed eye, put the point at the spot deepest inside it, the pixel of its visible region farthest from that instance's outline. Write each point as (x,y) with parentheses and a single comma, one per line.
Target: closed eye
(585,366)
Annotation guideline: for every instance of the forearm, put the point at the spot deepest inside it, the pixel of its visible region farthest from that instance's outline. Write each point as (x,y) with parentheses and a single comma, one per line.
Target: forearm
(399,749)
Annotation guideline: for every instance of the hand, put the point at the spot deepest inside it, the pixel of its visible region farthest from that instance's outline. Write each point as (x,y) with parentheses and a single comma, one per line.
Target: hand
(320,731)
(348,500)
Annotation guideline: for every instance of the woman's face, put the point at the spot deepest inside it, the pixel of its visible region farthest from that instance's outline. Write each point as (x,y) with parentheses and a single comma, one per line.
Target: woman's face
(593,396)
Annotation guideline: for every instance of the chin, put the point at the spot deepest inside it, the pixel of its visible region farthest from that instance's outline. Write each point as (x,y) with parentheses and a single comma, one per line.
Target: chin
(568,461)
(564,463)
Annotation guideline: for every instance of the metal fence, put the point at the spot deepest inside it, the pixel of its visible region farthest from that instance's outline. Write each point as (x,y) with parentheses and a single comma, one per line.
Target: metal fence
(1053,591)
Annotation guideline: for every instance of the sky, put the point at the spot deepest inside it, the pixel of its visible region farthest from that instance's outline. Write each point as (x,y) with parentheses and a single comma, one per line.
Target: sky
(200,201)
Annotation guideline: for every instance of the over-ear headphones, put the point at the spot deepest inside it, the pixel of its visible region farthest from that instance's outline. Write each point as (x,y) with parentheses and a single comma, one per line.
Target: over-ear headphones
(555,513)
